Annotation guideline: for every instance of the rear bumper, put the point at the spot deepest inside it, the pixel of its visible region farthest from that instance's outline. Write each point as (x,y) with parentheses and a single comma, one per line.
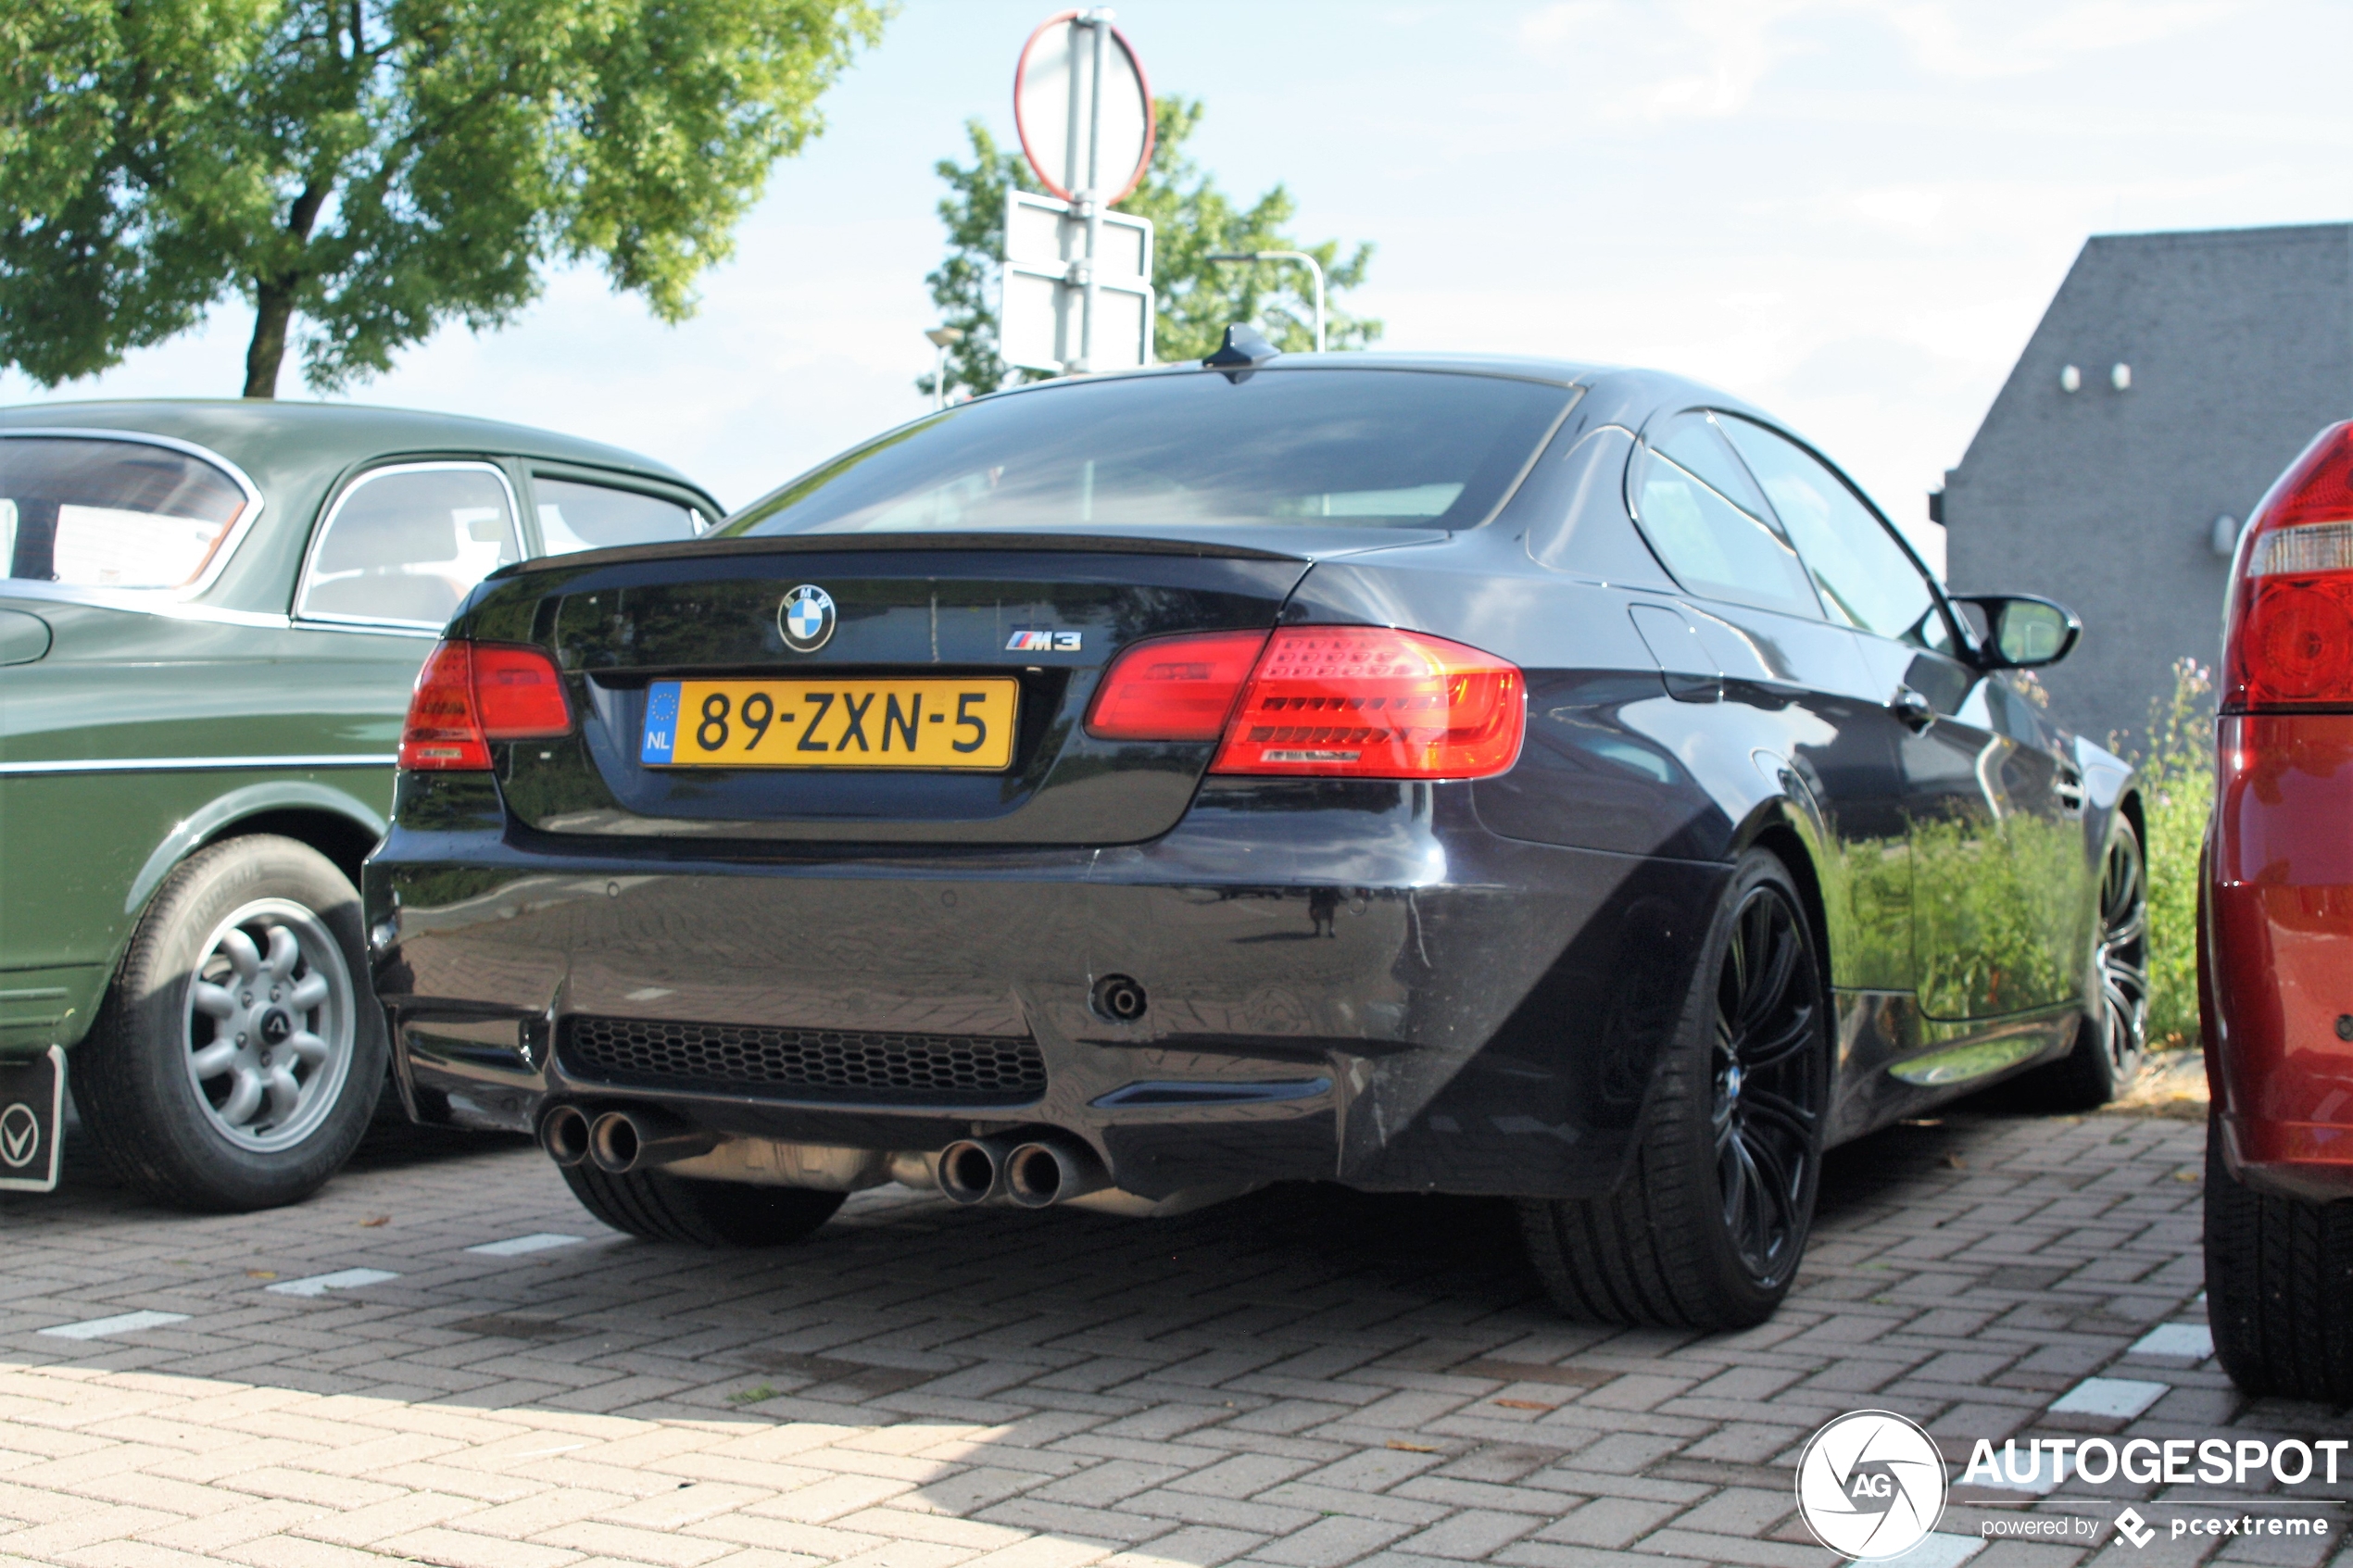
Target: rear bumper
(1344,982)
(2276,939)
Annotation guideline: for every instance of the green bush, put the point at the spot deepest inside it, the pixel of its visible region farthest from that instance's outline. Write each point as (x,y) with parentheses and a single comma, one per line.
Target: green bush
(2177,791)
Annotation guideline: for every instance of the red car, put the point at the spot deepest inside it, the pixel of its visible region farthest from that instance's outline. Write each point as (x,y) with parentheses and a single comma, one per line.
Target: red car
(2275,944)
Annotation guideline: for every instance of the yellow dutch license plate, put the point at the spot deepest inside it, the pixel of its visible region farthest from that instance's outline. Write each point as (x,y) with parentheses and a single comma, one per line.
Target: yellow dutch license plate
(923,724)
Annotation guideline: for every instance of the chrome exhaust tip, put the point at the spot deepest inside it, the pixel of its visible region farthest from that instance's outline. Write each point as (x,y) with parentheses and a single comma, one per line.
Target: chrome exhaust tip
(1045,1173)
(614,1142)
(973,1170)
(623,1141)
(564,1132)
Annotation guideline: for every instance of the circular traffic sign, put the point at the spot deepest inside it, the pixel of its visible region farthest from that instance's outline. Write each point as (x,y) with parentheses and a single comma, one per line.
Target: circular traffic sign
(1053,89)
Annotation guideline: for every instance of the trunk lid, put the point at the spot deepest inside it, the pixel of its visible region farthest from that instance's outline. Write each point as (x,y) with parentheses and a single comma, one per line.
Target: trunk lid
(906,607)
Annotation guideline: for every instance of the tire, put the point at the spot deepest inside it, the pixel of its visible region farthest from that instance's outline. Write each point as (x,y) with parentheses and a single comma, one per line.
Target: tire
(2111,1037)
(656,1206)
(1695,1237)
(2278,1271)
(237,1058)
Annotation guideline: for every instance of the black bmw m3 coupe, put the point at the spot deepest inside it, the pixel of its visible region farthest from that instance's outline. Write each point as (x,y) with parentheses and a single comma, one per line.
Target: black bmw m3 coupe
(1470,775)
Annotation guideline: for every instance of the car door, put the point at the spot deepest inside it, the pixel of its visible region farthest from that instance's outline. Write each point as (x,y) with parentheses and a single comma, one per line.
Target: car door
(113,731)
(1992,814)
(1795,696)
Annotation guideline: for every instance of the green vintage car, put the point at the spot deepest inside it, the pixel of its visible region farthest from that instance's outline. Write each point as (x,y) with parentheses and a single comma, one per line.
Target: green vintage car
(212,617)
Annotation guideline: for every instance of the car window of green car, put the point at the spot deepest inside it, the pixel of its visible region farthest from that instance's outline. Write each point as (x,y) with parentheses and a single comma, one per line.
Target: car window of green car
(404,545)
(97,513)
(578,516)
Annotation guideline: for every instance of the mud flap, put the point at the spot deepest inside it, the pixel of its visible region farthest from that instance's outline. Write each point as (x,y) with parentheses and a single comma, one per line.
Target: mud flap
(32,1102)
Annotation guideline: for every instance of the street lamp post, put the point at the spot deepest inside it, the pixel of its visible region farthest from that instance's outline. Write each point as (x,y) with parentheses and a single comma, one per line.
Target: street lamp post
(1313,266)
(941,337)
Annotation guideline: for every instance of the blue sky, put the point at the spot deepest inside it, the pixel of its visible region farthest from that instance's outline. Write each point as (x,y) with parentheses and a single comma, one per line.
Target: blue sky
(1849,211)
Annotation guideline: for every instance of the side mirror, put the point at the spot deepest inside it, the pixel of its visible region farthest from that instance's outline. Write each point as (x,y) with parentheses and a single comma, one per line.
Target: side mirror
(2022,632)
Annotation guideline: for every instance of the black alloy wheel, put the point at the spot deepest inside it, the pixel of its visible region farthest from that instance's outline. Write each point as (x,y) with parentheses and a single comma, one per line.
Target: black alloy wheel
(1767,1118)
(2111,1041)
(1708,1227)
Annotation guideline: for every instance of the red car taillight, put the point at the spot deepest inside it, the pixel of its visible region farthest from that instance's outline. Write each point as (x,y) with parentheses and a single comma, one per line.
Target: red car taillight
(1366,702)
(471,694)
(1174,688)
(1357,702)
(2289,643)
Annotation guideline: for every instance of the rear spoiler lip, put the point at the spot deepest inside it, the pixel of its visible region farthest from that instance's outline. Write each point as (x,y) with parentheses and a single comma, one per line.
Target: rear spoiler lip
(942,543)
(845,544)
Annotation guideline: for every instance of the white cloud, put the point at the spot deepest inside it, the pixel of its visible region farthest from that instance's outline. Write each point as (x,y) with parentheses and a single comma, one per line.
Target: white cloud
(1981,41)
(1685,59)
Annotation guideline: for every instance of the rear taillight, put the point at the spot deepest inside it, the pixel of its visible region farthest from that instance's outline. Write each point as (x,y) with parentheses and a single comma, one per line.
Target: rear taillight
(471,694)
(1366,702)
(2289,641)
(1174,688)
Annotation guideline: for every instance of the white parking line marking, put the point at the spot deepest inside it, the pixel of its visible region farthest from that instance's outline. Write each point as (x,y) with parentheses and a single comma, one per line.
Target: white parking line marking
(516,1246)
(124,1322)
(2193,1340)
(318,1284)
(2119,1397)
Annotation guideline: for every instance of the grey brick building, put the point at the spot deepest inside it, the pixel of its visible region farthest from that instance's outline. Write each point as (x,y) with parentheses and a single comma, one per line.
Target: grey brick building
(2171,380)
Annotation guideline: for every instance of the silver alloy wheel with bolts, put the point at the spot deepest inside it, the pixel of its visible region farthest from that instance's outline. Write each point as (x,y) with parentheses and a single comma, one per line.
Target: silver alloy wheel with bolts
(2120,958)
(2111,1034)
(269,1024)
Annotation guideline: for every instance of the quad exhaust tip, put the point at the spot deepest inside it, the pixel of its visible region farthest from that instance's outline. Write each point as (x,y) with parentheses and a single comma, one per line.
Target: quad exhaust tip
(564,1132)
(1049,1171)
(1034,1172)
(618,1142)
(973,1170)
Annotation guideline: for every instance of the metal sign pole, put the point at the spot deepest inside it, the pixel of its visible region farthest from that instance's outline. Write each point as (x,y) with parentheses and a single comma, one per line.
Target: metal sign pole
(1092,198)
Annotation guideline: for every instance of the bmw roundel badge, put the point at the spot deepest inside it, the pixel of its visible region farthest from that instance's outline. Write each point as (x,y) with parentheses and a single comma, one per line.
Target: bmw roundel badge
(806,618)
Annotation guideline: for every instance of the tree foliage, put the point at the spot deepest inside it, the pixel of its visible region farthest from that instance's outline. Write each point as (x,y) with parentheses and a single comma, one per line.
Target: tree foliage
(378,168)
(1192,220)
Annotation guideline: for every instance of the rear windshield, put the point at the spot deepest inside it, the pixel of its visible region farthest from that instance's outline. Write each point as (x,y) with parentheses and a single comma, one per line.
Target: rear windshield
(1352,448)
(110,514)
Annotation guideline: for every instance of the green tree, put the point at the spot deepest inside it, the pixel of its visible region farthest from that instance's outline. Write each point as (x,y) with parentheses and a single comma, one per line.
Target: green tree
(1192,220)
(378,168)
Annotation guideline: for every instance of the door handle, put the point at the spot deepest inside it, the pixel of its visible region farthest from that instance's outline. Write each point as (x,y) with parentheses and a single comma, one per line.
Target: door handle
(1912,707)
(2069,787)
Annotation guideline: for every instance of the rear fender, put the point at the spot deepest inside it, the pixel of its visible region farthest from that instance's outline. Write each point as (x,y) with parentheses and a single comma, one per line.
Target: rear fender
(219,817)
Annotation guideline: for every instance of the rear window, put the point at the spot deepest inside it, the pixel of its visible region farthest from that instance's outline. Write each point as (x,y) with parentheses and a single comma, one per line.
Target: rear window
(110,514)
(1325,447)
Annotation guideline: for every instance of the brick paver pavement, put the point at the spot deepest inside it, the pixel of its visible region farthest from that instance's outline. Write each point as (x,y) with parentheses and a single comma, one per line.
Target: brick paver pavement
(1305,1378)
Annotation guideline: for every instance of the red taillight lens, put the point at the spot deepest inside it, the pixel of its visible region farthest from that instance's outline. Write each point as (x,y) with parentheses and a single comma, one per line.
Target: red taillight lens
(2290,639)
(1366,702)
(1174,688)
(471,694)
(519,693)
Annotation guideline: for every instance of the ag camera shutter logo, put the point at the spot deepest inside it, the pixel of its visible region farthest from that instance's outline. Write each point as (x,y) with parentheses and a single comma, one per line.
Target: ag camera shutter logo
(1870,1486)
